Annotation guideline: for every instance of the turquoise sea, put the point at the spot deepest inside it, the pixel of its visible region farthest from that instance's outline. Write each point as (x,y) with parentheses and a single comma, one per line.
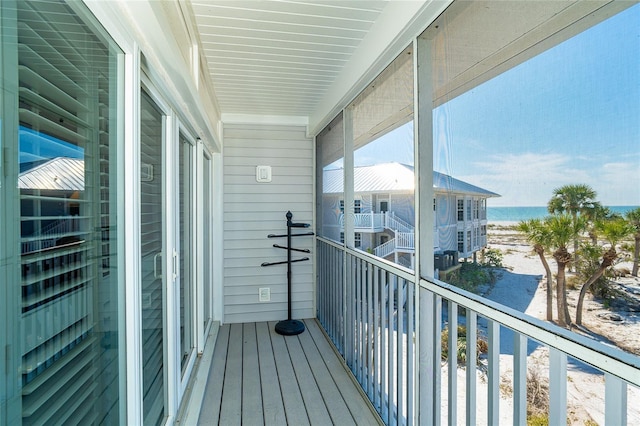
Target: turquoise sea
(516,214)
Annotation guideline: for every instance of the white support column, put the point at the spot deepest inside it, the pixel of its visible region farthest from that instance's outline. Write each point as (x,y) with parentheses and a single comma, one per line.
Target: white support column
(428,314)
(349,235)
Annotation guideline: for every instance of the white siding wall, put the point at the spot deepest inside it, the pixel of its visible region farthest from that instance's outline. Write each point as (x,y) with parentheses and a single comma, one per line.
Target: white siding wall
(253,210)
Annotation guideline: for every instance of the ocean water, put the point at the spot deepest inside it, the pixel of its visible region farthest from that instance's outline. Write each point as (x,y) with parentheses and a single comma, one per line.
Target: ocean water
(516,214)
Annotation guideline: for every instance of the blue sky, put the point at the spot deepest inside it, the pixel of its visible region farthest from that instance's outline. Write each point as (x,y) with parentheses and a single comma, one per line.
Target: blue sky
(569,115)
(37,146)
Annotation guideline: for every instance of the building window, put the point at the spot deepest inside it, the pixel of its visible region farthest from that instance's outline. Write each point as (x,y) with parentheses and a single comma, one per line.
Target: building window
(342,206)
(461,241)
(468,209)
(357,206)
(358,240)
(476,209)
(460,210)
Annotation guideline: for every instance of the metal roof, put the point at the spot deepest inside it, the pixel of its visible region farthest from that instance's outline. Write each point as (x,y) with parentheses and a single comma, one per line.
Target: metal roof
(396,177)
(59,174)
(446,184)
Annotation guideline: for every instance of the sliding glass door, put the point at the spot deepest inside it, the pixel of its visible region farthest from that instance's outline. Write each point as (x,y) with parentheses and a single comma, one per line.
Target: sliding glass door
(153,265)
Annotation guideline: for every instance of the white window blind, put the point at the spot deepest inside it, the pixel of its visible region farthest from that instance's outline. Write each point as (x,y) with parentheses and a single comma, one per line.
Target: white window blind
(65,218)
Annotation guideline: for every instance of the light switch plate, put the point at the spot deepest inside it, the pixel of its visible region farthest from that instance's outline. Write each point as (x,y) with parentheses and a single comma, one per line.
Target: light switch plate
(263,174)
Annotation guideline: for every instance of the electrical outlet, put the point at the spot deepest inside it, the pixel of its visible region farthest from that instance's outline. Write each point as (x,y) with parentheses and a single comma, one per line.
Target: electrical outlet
(264,294)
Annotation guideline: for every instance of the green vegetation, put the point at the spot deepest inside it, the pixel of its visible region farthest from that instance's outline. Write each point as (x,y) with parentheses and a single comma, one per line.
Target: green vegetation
(470,276)
(491,258)
(576,217)
(482,347)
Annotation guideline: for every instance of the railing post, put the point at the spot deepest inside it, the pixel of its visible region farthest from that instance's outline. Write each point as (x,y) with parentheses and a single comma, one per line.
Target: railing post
(519,379)
(452,362)
(615,400)
(493,382)
(557,386)
(472,336)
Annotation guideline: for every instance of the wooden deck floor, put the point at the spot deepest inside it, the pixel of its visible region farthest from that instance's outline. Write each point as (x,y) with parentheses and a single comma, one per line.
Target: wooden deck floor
(259,377)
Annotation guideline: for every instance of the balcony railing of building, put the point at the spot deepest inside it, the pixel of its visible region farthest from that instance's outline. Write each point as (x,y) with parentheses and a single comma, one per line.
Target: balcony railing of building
(388,328)
(378,222)
(404,241)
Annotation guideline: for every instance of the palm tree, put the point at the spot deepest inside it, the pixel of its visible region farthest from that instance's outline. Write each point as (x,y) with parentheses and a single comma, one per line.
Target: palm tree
(613,230)
(633,216)
(561,232)
(538,234)
(575,200)
(598,213)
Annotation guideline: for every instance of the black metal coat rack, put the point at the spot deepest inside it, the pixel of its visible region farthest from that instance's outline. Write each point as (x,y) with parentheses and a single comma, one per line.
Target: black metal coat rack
(289,326)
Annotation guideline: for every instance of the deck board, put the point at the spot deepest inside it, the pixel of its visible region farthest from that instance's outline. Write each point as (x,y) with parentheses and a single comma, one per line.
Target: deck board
(338,411)
(251,389)
(260,377)
(231,408)
(271,395)
(316,409)
(291,395)
(351,395)
(210,413)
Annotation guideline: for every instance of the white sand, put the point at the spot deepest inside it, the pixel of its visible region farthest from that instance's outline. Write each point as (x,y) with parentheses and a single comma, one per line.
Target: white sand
(523,287)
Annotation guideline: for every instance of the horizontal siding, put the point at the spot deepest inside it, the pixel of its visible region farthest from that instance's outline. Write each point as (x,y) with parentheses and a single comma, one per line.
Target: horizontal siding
(254,210)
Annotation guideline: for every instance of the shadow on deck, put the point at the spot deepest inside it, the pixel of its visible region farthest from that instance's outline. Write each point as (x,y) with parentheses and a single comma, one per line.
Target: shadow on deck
(260,377)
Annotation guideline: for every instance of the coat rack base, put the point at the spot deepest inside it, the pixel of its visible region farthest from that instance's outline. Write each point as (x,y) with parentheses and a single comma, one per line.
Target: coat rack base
(289,327)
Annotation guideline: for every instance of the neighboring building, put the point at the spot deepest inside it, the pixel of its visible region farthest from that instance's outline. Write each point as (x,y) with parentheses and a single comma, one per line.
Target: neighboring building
(384,213)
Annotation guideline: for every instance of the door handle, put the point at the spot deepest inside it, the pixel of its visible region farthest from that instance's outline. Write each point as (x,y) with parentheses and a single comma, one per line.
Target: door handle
(155,265)
(175,265)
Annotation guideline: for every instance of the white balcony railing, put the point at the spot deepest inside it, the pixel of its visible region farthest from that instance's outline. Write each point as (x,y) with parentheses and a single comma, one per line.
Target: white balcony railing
(373,222)
(405,241)
(393,345)
(385,249)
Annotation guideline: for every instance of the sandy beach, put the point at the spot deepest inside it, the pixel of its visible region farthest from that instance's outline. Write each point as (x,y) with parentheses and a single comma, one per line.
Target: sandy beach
(522,286)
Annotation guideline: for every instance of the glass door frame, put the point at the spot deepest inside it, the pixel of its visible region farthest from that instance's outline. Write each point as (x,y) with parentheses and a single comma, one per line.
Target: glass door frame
(168,260)
(184,373)
(204,267)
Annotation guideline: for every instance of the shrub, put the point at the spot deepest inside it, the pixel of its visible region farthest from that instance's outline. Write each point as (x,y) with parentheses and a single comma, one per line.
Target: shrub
(472,275)
(491,258)
(482,347)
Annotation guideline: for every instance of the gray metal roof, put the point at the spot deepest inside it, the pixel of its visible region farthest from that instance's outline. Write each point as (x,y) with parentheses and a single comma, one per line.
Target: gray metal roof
(60,174)
(446,184)
(396,177)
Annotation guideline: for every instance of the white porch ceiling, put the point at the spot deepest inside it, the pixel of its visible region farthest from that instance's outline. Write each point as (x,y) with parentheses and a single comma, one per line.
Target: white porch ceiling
(279,57)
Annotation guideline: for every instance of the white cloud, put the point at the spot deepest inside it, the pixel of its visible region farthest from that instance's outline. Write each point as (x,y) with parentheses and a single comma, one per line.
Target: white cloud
(619,184)
(528,179)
